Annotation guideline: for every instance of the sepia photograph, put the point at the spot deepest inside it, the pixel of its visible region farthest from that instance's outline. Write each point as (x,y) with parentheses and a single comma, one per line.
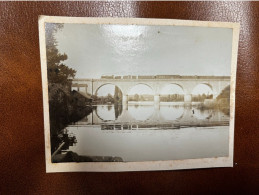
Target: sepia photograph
(132,94)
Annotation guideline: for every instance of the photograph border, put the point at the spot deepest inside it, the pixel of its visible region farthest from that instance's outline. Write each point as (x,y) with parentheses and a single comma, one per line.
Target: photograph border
(145,165)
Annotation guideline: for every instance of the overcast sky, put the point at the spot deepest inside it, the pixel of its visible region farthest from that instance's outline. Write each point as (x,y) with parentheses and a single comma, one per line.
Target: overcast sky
(96,50)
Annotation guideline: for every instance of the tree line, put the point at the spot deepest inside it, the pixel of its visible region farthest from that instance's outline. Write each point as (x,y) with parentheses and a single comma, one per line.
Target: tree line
(65,106)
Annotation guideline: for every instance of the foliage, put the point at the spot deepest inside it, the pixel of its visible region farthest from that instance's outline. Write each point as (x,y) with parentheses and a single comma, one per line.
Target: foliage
(172,98)
(225,93)
(104,99)
(58,72)
(117,95)
(223,100)
(136,97)
(142,97)
(201,97)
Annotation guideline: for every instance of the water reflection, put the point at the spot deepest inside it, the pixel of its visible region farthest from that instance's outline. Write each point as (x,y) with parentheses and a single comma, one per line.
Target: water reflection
(202,114)
(108,112)
(140,113)
(145,132)
(150,115)
(105,113)
(171,113)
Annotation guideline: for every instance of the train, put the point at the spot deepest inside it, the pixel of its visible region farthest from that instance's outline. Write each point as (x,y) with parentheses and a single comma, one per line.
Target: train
(161,77)
(141,77)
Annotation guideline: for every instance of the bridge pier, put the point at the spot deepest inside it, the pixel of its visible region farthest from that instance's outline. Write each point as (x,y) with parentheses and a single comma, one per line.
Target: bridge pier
(157,101)
(157,106)
(188,99)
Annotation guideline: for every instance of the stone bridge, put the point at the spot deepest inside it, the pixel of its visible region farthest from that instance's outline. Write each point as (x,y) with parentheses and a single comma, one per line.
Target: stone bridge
(156,83)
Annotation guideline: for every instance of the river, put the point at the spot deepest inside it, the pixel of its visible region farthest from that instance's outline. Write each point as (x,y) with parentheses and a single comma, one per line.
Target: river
(147,133)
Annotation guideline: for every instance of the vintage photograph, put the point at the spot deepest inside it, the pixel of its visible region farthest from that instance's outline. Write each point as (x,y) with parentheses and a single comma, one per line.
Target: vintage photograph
(125,94)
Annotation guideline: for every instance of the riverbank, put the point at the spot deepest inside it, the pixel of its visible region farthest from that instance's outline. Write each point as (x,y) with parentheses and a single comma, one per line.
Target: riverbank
(74,157)
(65,107)
(222,104)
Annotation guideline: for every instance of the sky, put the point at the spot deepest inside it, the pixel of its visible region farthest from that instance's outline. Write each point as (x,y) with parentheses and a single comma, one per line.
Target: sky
(95,50)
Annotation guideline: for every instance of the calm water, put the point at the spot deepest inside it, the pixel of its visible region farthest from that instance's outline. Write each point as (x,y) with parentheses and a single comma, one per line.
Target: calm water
(148,132)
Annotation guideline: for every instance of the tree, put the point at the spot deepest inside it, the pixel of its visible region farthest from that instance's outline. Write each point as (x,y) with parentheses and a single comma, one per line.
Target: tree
(225,93)
(136,97)
(58,72)
(117,95)
(109,98)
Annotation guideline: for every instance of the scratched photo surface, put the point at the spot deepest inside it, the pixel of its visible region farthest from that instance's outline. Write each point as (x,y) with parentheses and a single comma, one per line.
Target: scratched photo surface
(130,93)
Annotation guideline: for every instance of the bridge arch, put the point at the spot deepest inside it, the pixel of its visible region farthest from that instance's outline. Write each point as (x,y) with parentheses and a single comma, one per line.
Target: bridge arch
(96,113)
(202,91)
(171,92)
(105,84)
(208,84)
(161,91)
(203,84)
(102,112)
(171,113)
(143,114)
(140,84)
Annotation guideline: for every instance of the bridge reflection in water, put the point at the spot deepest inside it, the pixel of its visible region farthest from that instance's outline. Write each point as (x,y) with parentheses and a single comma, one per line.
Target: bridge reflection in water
(135,117)
(147,133)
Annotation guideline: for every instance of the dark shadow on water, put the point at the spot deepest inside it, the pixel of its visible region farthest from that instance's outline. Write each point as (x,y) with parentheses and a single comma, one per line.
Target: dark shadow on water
(74,157)
(118,110)
(65,109)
